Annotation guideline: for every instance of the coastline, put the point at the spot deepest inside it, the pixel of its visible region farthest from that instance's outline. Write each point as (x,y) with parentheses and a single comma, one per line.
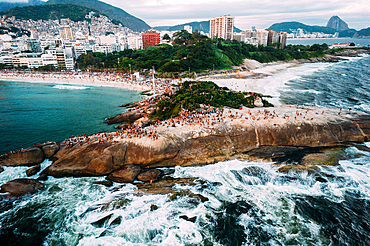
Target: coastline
(121,85)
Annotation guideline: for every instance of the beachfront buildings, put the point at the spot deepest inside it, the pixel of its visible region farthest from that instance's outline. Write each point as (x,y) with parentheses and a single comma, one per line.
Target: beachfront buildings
(150,38)
(262,37)
(222,27)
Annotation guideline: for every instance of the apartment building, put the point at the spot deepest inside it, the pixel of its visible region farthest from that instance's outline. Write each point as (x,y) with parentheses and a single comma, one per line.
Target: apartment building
(222,27)
(150,38)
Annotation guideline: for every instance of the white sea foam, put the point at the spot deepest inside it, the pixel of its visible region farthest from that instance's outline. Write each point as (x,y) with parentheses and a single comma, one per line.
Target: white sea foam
(70,87)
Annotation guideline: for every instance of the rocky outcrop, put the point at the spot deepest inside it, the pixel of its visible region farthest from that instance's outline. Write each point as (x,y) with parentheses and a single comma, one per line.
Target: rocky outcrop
(33,170)
(1,169)
(149,176)
(49,149)
(28,157)
(337,24)
(20,187)
(125,175)
(194,145)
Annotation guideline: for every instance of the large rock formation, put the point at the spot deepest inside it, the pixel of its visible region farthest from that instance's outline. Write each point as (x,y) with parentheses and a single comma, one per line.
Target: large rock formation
(28,157)
(232,138)
(337,24)
(20,187)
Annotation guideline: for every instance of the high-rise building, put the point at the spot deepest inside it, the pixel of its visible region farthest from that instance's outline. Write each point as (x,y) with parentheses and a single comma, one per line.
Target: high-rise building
(150,38)
(65,32)
(277,37)
(222,27)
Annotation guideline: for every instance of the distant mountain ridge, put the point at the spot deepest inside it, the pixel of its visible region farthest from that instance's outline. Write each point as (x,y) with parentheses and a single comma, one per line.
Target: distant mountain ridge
(196,25)
(293,25)
(349,33)
(9,5)
(127,20)
(50,12)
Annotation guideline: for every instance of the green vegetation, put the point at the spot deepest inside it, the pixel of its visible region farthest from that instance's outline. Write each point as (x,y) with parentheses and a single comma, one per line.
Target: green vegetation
(193,93)
(50,12)
(195,52)
(118,14)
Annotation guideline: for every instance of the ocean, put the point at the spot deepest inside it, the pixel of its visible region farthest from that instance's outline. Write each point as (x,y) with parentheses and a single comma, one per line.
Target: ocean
(32,113)
(249,202)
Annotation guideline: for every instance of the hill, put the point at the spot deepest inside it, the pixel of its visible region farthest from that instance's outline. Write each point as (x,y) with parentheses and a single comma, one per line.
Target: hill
(200,26)
(337,24)
(127,20)
(9,5)
(50,12)
(363,33)
(293,25)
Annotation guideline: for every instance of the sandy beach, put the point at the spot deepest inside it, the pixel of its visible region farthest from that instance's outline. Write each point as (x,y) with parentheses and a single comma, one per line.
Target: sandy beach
(76,80)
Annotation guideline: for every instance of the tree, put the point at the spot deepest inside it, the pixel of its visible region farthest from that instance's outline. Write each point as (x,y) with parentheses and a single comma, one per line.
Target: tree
(166,37)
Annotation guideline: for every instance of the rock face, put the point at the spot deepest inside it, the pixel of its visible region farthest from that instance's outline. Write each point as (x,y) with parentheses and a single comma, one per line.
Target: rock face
(49,149)
(20,187)
(33,170)
(337,24)
(148,176)
(125,175)
(28,157)
(194,145)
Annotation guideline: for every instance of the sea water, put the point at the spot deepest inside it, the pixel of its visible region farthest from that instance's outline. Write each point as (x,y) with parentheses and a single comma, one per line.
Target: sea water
(32,113)
(249,202)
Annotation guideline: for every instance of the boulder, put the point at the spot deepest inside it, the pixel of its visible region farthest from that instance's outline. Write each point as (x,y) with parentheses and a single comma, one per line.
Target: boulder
(127,117)
(28,157)
(149,176)
(33,170)
(50,149)
(88,160)
(1,169)
(125,175)
(20,187)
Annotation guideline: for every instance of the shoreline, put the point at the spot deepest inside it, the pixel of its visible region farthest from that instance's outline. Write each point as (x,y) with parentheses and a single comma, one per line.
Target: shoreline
(57,81)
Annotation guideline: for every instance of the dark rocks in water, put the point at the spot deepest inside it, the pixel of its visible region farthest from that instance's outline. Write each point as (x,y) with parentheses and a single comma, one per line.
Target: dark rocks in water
(149,176)
(164,185)
(101,222)
(278,153)
(43,177)
(21,187)
(153,207)
(28,157)
(192,219)
(182,193)
(107,183)
(115,222)
(298,168)
(125,175)
(346,222)
(49,149)
(33,170)
(1,169)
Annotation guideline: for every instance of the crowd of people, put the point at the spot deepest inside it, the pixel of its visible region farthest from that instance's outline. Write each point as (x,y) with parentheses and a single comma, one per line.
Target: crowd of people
(87,77)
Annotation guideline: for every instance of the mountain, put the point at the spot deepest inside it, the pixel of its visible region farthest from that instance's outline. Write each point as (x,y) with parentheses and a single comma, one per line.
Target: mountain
(127,20)
(293,25)
(200,26)
(50,12)
(9,5)
(337,24)
(363,33)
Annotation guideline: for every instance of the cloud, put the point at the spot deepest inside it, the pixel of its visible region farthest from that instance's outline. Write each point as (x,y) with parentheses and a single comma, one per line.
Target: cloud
(259,13)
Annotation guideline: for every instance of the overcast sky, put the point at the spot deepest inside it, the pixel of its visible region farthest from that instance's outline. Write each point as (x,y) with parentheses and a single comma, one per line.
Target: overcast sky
(247,13)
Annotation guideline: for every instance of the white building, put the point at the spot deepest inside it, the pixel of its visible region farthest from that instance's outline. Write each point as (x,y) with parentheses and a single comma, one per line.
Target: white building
(188,28)
(65,32)
(107,40)
(135,42)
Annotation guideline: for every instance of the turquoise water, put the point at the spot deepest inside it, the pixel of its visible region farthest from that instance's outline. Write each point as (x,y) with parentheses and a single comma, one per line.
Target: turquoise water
(32,113)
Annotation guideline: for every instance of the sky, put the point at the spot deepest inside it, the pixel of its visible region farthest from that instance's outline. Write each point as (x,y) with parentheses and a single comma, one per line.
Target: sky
(247,13)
